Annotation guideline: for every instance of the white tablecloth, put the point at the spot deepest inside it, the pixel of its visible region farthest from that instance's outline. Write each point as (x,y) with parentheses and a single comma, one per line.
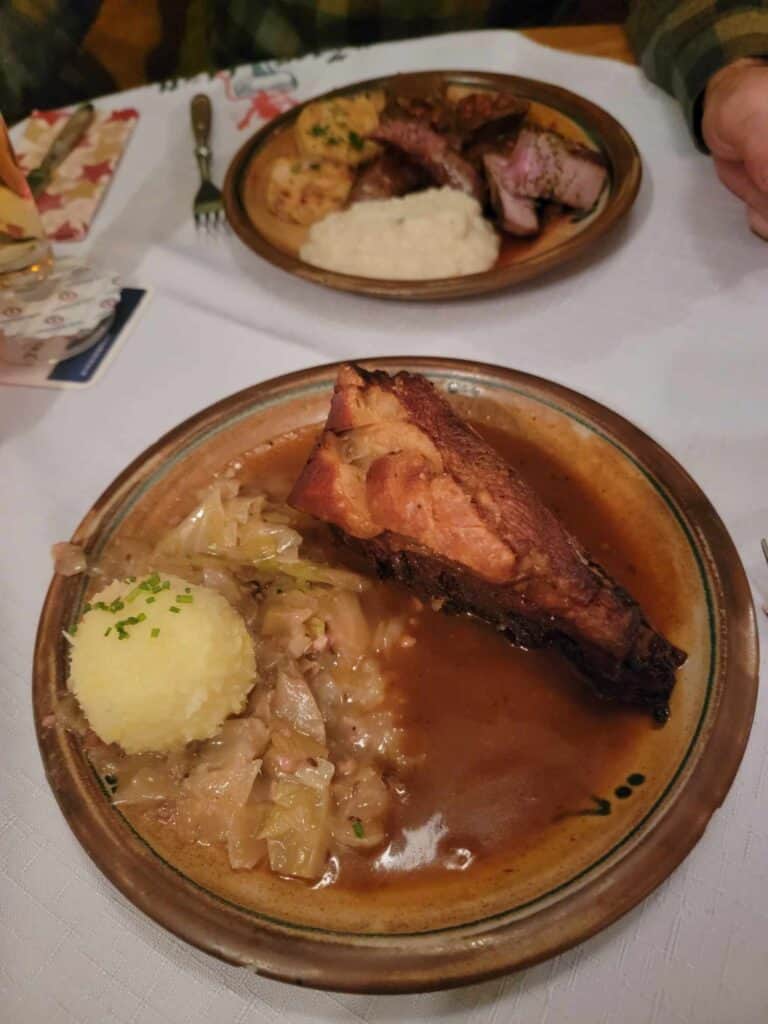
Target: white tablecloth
(667,324)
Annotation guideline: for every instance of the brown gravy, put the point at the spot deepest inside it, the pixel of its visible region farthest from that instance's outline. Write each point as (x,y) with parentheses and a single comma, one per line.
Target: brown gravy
(512,740)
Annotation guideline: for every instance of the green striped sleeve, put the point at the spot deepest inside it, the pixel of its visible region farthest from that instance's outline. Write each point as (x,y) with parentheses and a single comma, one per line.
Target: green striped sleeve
(244,30)
(681,44)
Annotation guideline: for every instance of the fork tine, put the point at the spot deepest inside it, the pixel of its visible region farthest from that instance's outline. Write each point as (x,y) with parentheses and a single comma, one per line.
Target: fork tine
(764,546)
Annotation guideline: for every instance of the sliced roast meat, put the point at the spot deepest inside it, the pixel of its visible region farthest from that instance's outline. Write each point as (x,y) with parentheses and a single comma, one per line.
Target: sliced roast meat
(432,152)
(489,114)
(390,174)
(432,111)
(517,214)
(541,164)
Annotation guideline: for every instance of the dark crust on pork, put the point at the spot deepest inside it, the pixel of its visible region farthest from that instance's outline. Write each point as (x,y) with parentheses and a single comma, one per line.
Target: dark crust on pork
(390,174)
(481,110)
(487,121)
(558,597)
(643,678)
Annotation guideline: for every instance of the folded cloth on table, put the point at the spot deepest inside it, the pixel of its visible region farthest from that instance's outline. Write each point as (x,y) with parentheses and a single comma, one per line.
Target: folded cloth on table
(71,198)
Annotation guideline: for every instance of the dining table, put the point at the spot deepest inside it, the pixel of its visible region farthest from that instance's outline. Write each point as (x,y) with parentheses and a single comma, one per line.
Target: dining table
(664,322)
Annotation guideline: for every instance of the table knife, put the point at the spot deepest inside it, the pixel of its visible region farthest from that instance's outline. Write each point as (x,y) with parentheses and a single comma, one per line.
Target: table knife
(65,141)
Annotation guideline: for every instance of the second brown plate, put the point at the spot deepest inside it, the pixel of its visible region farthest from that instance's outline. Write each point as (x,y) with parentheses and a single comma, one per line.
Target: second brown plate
(519,259)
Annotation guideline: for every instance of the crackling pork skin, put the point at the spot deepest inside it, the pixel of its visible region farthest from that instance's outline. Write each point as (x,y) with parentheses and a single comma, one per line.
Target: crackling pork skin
(429,503)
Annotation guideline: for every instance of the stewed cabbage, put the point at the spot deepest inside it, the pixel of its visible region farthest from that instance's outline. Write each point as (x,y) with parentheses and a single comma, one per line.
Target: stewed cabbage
(303,771)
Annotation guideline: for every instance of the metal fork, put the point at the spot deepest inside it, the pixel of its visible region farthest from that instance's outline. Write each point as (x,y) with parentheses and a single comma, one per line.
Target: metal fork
(208,204)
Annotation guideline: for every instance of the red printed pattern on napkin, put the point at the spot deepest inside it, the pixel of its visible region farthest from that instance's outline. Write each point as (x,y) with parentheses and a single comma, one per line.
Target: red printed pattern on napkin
(69,202)
(259,91)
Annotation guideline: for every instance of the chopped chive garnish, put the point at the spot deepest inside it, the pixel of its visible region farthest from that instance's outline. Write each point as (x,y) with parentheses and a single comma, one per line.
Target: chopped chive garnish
(150,600)
(133,595)
(184,598)
(174,609)
(130,621)
(116,606)
(357,828)
(87,608)
(107,631)
(101,606)
(355,141)
(166,585)
(187,590)
(152,583)
(155,632)
(72,630)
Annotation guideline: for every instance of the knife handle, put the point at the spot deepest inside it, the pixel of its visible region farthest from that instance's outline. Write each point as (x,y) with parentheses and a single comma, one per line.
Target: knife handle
(70,134)
(200,111)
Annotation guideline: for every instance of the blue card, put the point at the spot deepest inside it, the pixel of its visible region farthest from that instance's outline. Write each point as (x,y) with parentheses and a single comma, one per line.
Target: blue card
(82,370)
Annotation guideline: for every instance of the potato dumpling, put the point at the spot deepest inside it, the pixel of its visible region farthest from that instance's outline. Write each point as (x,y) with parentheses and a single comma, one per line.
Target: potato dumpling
(338,129)
(304,191)
(157,662)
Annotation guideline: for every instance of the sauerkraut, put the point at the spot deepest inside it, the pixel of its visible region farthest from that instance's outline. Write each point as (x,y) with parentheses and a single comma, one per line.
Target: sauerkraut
(306,767)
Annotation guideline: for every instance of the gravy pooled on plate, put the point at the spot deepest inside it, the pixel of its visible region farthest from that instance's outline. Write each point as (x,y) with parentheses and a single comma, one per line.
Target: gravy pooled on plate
(445,747)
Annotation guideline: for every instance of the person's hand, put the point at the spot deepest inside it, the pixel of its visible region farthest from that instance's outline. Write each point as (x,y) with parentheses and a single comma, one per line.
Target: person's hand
(735,128)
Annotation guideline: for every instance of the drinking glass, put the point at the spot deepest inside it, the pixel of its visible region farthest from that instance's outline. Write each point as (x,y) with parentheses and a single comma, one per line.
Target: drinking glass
(26,256)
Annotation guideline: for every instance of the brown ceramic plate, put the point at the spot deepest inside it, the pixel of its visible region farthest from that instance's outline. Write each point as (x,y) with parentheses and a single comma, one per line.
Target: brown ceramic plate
(587,866)
(562,238)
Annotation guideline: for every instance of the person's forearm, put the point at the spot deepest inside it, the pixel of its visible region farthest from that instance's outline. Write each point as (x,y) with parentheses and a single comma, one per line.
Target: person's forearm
(682,43)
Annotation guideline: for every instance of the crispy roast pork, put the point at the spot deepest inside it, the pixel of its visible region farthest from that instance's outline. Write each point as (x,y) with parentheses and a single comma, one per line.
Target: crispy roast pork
(429,503)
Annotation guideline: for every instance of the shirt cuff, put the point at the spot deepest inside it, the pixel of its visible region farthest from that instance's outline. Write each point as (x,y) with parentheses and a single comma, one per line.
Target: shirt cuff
(742,34)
